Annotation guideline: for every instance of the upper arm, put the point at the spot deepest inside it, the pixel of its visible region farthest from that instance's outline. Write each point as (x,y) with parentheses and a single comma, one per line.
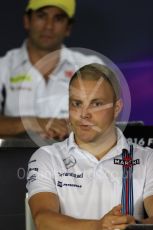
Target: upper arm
(42,192)
(148,204)
(40,176)
(43,201)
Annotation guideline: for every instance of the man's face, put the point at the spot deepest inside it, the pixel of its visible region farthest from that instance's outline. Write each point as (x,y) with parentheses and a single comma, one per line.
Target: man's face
(92,109)
(47,28)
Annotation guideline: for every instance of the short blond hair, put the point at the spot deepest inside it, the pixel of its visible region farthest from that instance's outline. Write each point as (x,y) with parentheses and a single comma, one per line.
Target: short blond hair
(94,72)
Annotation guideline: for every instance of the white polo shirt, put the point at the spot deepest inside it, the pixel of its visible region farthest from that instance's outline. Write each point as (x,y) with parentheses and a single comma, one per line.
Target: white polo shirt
(28,94)
(88,188)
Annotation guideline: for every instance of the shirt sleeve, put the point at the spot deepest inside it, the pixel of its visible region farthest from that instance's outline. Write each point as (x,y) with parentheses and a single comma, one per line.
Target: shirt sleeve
(148,188)
(40,176)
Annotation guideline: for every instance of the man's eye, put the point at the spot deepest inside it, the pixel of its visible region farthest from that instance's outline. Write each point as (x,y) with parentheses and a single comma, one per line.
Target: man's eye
(60,18)
(97,104)
(40,15)
(76,104)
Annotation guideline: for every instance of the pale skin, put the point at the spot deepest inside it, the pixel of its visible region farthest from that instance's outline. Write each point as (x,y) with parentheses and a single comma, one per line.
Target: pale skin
(47,29)
(92,127)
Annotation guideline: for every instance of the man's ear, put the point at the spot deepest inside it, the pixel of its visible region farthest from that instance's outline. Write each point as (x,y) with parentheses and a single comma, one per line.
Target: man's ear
(26,22)
(118,108)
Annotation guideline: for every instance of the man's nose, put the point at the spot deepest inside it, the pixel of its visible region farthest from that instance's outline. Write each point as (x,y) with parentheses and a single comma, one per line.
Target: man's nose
(49,23)
(85,113)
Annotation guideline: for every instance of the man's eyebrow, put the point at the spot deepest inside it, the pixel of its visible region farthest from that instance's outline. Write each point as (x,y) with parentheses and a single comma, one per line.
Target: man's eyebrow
(74,99)
(93,100)
(62,14)
(40,10)
(97,99)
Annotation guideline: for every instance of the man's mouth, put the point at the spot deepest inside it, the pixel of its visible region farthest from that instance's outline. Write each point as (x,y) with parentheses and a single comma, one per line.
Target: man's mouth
(86,125)
(47,36)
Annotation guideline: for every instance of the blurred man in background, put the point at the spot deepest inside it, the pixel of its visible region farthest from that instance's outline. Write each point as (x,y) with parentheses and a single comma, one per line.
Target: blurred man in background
(34,78)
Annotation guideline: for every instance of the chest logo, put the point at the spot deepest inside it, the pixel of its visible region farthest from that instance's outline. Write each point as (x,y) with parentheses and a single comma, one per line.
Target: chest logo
(69,73)
(126,162)
(69,162)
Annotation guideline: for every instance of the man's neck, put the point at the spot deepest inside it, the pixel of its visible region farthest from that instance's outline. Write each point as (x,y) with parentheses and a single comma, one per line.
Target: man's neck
(101,146)
(35,53)
(44,60)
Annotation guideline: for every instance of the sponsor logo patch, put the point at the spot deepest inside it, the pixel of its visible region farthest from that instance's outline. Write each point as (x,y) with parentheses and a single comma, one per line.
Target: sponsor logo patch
(69,73)
(32,178)
(69,162)
(126,162)
(62,184)
(70,175)
(32,161)
(33,169)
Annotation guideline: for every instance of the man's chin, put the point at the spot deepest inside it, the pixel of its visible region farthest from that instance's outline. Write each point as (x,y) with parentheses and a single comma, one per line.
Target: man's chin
(47,46)
(85,138)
